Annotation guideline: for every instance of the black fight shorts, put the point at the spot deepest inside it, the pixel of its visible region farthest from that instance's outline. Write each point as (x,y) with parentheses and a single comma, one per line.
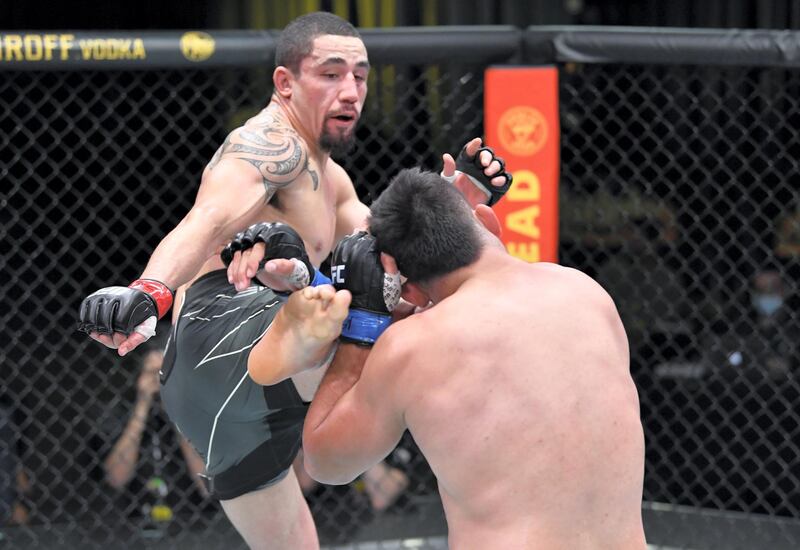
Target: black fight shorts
(247,434)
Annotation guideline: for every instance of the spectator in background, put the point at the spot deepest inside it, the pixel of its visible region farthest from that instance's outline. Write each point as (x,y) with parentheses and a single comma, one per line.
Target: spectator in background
(764,336)
(383,484)
(121,463)
(654,303)
(787,243)
(144,459)
(13,480)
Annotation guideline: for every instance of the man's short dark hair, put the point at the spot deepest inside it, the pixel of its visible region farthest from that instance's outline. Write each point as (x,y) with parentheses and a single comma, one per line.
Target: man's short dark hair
(297,39)
(426,224)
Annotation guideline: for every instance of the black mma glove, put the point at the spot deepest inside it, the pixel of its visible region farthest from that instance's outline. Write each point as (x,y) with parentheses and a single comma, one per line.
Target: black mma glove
(473,169)
(282,242)
(356,266)
(123,309)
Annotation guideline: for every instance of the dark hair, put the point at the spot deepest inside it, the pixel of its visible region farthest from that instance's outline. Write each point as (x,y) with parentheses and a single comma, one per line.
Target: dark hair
(297,39)
(426,224)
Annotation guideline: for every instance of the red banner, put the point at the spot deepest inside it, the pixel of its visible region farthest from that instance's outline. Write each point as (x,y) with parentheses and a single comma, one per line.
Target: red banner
(521,122)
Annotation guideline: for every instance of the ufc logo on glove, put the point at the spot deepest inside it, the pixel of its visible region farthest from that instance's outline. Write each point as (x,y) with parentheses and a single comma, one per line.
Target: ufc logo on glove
(337,274)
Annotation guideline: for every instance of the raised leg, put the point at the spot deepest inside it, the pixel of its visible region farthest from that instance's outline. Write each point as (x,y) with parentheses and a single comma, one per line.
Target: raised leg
(274,518)
(301,336)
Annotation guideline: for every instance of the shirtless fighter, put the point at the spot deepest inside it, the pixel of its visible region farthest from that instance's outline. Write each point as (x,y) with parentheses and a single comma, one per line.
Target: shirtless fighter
(276,168)
(515,383)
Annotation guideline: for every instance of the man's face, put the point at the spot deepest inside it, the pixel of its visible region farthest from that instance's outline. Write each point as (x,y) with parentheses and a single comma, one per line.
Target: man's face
(331,89)
(767,295)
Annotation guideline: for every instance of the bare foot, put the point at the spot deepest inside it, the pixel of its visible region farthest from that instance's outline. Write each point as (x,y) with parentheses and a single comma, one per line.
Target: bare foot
(301,335)
(317,312)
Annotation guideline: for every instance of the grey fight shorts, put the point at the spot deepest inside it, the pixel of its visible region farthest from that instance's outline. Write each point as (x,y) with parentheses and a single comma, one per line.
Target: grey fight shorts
(247,434)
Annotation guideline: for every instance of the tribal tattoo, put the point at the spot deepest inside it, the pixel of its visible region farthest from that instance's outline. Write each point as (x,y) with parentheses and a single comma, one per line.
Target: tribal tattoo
(278,155)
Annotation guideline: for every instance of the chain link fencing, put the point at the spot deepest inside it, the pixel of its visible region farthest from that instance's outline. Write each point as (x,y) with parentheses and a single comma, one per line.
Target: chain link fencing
(679,193)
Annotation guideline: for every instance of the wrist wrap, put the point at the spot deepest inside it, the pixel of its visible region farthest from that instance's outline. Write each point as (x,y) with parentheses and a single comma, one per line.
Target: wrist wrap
(320,279)
(160,292)
(363,327)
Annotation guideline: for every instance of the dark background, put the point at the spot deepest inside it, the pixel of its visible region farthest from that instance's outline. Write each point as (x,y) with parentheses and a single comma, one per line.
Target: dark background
(84,203)
(273,14)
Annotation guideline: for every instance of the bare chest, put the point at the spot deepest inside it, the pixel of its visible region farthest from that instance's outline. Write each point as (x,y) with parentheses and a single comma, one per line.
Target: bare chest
(309,206)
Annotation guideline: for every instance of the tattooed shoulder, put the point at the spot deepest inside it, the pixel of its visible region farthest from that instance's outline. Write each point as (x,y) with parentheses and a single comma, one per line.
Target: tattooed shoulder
(218,155)
(278,154)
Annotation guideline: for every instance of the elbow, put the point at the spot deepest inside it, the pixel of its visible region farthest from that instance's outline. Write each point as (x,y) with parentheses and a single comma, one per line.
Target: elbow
(118,470)
(320,471)
(322,465)
(116,480)
(209,222)
(115,483)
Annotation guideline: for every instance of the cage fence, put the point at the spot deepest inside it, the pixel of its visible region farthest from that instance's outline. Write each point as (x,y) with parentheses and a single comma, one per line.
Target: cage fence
(679,194)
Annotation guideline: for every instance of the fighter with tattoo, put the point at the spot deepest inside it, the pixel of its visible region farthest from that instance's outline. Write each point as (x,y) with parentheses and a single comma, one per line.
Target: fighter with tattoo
(276,168)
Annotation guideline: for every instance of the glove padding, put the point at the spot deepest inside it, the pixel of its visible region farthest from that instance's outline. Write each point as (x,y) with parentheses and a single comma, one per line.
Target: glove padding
(356,266)
(123,309)
(282,242)
(472,167)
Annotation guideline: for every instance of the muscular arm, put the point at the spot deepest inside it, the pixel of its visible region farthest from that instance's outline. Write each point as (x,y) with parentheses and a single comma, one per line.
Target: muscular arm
(354,420)
(250,167)
(254,163)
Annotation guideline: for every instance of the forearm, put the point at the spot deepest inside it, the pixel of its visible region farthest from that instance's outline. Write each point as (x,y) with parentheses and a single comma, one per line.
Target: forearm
(181,254)
(120,464)
(351,425)
(325,458)
(344,372)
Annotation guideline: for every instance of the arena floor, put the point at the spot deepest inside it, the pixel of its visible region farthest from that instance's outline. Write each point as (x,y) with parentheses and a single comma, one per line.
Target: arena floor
(666,527)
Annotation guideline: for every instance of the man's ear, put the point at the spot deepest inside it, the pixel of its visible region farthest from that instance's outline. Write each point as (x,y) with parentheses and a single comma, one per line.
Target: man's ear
(414,294)
(489,219)
(388,263)
(282,79)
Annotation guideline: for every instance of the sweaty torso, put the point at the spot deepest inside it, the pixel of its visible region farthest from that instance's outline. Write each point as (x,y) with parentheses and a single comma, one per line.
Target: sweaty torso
(298,191)
(521,400)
